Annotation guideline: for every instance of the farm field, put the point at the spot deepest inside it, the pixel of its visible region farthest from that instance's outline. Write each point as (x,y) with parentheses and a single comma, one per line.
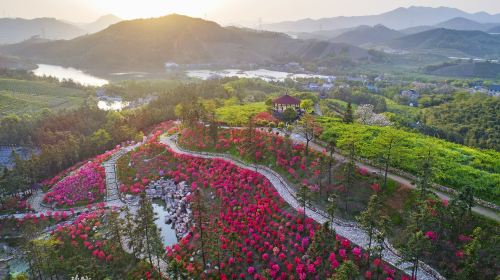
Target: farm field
(20,97)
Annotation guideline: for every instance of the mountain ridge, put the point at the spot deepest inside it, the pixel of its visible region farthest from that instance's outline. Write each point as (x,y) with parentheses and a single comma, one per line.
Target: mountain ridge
(146,44)
(399,18)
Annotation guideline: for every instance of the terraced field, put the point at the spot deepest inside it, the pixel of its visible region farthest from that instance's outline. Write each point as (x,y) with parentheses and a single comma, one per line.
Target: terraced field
(20,96)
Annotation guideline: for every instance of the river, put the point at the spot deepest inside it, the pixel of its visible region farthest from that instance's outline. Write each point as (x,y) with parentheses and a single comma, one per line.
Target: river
(69,73)
(264,74)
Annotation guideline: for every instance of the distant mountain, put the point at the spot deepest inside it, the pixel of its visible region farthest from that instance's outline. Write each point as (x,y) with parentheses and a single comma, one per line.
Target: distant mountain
(495,29)
(13,30)
(400,18)
(368,34)
(416,29)
(11,62)
(474,43)
(465,69)
(146,44)
(321,34)
(101,23)
(460,23)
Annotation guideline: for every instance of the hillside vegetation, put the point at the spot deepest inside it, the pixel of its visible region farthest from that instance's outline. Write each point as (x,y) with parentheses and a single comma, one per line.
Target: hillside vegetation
(21,96)
(454,165)
(146,44)
(474,43)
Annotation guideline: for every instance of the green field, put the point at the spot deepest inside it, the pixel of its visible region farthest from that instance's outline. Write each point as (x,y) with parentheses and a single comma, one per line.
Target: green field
(454,165)
(20,96)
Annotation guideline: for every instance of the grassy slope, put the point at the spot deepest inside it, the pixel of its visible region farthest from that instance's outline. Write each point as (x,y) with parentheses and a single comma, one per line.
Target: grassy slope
(18,96)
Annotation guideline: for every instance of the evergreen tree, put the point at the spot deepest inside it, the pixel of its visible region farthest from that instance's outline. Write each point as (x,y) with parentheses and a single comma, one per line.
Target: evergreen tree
(332,207)
(332,144)
(304,197)
(348,115)
(425,174)
(346,271)
(369,219)
(148,242)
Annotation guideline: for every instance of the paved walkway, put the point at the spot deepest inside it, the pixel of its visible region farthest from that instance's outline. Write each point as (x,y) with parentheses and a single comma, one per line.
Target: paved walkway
(348,230)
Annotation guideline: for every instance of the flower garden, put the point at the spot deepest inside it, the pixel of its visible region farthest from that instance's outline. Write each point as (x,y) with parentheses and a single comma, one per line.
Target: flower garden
(444,225)
(81,187)
(248,231)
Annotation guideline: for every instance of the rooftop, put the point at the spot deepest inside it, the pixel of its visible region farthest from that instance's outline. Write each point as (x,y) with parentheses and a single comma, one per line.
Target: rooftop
(287,100)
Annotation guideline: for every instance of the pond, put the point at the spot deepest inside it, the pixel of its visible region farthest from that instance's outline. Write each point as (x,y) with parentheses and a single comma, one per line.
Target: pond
(69,73)
(266,75)
(166,231)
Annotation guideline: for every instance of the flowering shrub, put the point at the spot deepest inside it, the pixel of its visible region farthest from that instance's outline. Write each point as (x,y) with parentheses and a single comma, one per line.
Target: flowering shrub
(83,186)
(247,223)
(82,234)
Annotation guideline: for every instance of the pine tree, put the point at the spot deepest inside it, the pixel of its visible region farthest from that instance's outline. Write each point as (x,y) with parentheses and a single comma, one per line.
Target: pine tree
(369,220)
(149,241)
(332,207)
(332,144)
(348,115)
(304,196)
(346,271)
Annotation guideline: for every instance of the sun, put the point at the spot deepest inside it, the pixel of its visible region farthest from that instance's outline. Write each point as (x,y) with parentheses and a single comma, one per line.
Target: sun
(129,9)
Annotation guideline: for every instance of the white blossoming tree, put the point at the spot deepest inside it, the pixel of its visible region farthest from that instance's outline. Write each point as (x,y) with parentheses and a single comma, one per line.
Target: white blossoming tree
(365,115)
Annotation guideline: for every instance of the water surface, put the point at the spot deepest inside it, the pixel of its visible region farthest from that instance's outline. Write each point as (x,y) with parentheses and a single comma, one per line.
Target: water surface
(166,231)
(69,73)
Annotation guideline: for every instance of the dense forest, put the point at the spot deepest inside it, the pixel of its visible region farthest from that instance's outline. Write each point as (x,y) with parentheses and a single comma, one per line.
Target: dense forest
(469,119)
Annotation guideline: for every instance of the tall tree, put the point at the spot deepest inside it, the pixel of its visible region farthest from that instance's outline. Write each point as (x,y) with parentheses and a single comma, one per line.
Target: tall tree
(389,149)
(332,144)
(149,243)
(309,129)
(304,197)
(369,219)
(348,115)
(332,207)
(424,181)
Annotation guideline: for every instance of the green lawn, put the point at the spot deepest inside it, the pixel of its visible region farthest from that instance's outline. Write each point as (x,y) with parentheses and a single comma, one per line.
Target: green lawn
(20,96)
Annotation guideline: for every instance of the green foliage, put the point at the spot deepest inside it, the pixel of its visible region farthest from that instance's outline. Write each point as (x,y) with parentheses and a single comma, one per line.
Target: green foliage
(238,115)
(468,119)
(454,165)
(20,96)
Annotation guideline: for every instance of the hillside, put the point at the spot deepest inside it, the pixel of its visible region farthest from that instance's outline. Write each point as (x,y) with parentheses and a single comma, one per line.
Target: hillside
(474,43)
(13,30)
(101,23)
(400,18)
(19,97)
(146,44)
(368,34)
(465,69)
(460,23)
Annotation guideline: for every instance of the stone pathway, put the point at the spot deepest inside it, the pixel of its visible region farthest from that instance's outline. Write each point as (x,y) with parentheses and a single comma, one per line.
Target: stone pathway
(349,230)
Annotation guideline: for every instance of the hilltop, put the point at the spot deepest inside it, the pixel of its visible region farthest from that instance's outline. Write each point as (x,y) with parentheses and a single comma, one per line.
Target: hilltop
(146,44)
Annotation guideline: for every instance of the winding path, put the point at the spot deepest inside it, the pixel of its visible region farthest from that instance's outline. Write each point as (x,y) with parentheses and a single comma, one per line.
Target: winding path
(350,230)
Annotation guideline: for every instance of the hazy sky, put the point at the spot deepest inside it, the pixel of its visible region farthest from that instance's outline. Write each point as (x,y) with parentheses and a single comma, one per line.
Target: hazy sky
(224,11)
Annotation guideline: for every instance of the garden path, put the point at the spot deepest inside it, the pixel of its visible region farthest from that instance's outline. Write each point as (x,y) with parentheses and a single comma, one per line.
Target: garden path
(347,229)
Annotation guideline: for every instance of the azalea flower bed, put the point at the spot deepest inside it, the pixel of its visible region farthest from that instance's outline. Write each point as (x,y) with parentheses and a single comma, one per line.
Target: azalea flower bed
(254,233)
(85,185)
(14,204)
(288,159)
